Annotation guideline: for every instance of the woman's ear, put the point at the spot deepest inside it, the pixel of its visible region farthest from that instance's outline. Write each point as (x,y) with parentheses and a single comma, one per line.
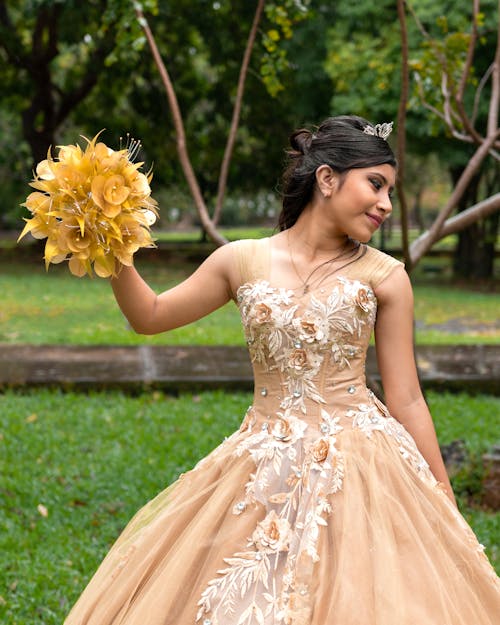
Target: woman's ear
(326,179)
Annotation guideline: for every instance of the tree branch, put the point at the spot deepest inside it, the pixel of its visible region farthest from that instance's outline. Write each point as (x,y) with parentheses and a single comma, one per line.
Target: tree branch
(470,215)
(495,85)
(95,64)
(224,170)
(45,35)
(477,95)
(463,219)
(401,137)
(470,52)
(468,124)
(424,242)
(182,151)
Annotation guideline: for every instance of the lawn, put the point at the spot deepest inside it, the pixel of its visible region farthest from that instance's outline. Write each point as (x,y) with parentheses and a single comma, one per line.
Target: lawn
(76,467)
(57,308)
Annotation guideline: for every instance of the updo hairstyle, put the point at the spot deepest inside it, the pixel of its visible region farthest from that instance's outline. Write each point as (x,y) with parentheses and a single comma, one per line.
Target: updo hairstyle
(338,142)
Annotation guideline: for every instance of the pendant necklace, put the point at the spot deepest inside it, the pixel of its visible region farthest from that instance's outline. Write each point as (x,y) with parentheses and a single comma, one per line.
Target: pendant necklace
(307,283)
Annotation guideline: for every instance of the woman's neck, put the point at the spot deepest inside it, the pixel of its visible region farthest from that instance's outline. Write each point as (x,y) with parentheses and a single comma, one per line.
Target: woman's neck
(315,242)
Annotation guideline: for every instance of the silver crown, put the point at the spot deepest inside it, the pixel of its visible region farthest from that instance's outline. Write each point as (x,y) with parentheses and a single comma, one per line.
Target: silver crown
(379,130)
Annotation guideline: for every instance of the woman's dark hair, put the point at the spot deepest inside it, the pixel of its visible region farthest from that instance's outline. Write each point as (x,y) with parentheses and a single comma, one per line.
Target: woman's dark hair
(339,142)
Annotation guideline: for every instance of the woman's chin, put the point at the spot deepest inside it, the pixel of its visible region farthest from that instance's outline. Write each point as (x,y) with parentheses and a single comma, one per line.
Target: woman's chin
(365,238)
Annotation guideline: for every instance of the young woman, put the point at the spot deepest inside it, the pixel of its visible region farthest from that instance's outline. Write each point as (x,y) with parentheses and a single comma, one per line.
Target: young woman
(326,507)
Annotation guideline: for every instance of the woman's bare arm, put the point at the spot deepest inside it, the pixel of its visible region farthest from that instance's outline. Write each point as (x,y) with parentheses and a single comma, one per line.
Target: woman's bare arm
(396,361)
(207,289)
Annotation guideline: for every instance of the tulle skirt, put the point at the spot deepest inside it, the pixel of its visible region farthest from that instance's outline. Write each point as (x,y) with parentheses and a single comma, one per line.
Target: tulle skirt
(295,529)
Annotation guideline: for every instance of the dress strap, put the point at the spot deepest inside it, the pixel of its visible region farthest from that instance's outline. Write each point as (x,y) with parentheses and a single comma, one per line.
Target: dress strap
(381,265)
(373,266)
(252,257)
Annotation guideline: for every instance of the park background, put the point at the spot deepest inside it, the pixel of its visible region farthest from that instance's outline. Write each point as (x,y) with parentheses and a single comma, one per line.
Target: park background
(76,465)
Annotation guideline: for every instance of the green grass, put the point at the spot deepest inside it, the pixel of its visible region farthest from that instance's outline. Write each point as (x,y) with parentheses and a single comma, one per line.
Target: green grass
(231,234)
(93,460)
(56,308)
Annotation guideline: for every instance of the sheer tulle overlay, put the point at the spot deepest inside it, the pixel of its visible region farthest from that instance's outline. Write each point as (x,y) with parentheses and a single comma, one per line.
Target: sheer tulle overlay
(320,510)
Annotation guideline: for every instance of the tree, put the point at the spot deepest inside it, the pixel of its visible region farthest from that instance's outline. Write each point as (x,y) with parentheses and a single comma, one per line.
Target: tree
(202,43)
(444,74)
(284,15)
(373,55)
(55,55)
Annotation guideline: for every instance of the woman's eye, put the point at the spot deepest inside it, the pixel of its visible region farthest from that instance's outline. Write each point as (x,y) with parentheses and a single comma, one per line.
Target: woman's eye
(376,183)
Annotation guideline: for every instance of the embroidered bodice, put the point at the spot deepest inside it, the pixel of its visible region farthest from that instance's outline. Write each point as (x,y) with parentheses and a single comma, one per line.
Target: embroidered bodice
(309,350)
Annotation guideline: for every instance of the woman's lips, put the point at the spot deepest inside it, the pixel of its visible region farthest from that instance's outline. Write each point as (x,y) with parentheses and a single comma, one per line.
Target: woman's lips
(375,219)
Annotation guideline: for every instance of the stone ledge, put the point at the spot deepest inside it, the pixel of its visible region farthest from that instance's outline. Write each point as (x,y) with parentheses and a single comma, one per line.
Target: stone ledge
(473,368)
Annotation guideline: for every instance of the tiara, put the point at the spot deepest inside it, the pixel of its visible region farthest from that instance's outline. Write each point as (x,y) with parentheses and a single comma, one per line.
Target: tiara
(379,130)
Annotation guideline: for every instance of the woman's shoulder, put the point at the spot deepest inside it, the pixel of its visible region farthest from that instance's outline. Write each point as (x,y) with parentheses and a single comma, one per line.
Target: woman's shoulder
(251,257)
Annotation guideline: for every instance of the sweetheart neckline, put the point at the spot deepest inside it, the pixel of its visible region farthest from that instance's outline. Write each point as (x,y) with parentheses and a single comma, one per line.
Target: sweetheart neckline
(291,292)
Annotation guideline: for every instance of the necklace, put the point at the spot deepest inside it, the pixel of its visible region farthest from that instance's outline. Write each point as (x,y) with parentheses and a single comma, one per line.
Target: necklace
(308,282)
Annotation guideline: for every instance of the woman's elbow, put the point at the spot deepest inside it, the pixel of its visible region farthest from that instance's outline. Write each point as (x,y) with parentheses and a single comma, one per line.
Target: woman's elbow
(143,327)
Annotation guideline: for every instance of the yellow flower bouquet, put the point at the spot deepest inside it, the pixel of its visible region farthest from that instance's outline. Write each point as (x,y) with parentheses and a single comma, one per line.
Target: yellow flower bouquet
(93,206)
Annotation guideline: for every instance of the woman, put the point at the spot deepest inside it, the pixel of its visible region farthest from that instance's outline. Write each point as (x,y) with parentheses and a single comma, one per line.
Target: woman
(326,507)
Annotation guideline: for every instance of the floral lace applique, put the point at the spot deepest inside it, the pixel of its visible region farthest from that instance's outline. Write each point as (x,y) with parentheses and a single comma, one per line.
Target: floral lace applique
(296,343)
(311,468)
(373,417)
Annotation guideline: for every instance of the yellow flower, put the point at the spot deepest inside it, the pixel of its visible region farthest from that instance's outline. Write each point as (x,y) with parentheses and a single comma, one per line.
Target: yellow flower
(94,207)
(109,193)
(44,171)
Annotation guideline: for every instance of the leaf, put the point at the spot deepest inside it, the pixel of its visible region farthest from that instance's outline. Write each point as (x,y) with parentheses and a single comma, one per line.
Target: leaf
(42,510)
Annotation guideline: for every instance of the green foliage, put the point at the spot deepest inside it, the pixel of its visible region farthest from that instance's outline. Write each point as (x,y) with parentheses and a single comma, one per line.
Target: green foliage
(282,16)
(363,59)
(444,52)
(202,44)
(93,460)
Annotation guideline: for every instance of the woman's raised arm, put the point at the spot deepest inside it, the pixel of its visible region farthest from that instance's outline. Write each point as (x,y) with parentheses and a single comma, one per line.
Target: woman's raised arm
(208,288)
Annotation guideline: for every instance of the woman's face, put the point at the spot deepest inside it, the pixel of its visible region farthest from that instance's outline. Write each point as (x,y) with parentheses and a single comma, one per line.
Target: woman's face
(360,201)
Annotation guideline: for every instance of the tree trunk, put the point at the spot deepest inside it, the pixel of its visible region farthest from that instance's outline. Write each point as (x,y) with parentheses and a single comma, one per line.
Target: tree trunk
(474,254)
(38,140)
(417,215)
